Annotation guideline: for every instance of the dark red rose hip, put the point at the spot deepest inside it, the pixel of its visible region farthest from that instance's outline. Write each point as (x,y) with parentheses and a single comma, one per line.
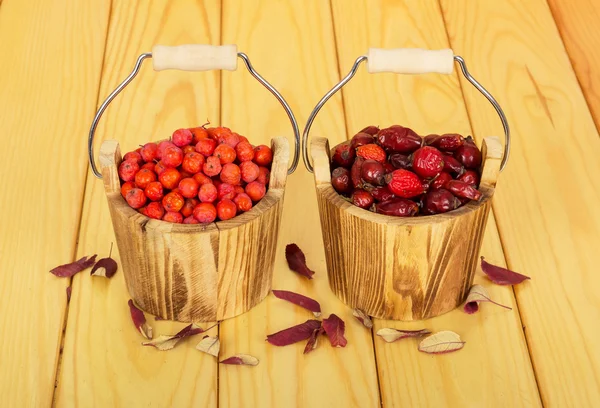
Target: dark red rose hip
(464,190)
(362,198)
(344,155)
(355,172)
(371,130)
(470,177)
(447,142)
(428,162)
(372,172)
(380,193)
(399,207)
(401,161)
(439,201)
(469,154)
(441,180)
(451,165)
(340,180)
(361,139)
(399,139)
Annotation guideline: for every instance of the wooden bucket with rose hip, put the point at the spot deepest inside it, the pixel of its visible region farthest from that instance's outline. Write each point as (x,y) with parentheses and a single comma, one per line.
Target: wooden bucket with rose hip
(196,217)
(403,216)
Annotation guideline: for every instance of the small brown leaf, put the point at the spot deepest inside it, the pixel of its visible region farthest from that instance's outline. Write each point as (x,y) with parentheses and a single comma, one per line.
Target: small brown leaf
(70,269)
(392,335)
(139,320)
(294,334)
(334,327)
(300,300)
(296,261)
(210,345)
(241,359)
(478,294)
(69,289)
(501,276)
(164,342)
(106,267)
(363,318)
(312,342)
(441,343)
(157,318)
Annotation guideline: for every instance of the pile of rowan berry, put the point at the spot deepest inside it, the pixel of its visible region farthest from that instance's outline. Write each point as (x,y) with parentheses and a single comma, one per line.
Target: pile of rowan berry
(200,175)
(394,171)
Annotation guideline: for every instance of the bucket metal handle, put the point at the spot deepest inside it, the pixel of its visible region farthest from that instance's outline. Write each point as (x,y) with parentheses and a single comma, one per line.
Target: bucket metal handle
(193,57)
(408,61)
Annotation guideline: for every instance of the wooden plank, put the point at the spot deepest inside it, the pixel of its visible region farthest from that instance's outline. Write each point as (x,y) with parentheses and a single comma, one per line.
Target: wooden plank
(291,44)
(50,64)
(104,363)
(546,204)
(577,22)
(495,358)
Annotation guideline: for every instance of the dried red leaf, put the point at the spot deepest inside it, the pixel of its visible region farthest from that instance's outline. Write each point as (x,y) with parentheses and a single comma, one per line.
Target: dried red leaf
(241,359)
(478,294)
(164,342)
(209,345)
(69,289)
(334,328)
(441,343)
(299,300)
(294,334)
(70,269)
(139,320)
(106,267)
(501,276)
(363,318)
(312,342)
(392,335)
(297,261)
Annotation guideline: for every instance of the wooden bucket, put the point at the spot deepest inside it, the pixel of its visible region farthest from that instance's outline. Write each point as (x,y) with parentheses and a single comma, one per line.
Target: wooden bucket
(195,272)
(393,267)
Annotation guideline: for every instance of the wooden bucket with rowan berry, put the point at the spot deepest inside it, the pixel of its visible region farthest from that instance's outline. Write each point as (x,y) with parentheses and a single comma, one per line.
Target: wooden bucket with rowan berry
(403,216)
(196,217)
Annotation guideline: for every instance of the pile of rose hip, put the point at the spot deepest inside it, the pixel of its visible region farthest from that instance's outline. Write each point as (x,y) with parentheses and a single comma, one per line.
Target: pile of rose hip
(394,171)
(200,175)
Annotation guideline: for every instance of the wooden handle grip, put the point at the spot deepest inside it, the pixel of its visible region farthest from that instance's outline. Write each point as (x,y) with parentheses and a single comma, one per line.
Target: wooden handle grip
(195,57)
(410,61)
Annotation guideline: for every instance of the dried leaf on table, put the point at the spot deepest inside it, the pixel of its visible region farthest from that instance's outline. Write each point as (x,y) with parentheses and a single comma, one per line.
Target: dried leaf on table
(313,340)
(139,320)
(500,275)
(106,267)
(441,343)
(392,335)
(241,359)
(209,345)
(478,294)
(164,342)
(300,300)
(296,261)
(363,318)
(334,328)
(70,269)
(294,334)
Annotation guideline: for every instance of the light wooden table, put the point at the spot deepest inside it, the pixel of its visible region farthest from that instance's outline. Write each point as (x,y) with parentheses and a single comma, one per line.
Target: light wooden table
(59,59)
